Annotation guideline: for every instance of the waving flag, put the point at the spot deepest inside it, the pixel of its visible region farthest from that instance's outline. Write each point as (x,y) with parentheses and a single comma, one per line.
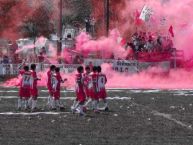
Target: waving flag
(146,13)
(171,31)
(137,19)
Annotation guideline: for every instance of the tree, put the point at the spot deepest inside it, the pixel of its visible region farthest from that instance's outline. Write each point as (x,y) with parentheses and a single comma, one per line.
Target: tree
(79,10)
(10,17)
(38,24)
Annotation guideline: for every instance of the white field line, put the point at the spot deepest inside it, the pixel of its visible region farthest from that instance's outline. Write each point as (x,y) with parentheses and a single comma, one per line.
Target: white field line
(154,112)
(67,98)
(169,117)
(64,91)
(166,116)
(129,88)
(8,91)
(45,91)
(175,92)
(33,113)
(182,94)
(108,90)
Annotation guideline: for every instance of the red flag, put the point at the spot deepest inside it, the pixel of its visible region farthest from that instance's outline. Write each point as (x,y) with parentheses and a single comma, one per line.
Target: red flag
(137,19)
(171,31)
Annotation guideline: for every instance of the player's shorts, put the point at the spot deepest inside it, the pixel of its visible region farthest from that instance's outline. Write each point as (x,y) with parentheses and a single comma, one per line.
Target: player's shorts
(24,92)
(34,92)
(87,92)
(56,94)
(93,95)
(80,96)
(50,90)
(102,94)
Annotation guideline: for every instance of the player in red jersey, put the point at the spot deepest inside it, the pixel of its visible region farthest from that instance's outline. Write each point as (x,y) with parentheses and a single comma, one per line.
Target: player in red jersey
(79,90)
(50,74)
(24,90)
(33,88)
(87,81)
(93,89)
(56,83)
(101,81)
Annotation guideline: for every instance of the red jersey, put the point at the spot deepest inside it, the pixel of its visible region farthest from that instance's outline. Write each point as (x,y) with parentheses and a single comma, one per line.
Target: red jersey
(25,79)
(56,83)
(50,80)
(79,88)
(33,79)
(25,84)
(34,90)
(101,81)
(87,81)
(50,77)
(93,85)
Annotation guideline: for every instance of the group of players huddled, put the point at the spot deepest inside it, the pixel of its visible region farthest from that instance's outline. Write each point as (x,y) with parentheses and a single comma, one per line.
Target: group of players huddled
(89,89)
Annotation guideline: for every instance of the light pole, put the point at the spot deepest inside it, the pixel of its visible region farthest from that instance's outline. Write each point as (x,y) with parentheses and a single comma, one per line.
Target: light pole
(59,44)
(106,21)
(107,16)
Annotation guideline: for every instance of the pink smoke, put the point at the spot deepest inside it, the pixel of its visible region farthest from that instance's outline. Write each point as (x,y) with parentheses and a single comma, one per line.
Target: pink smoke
(104,47)
(15,82)
(151,78)
(176,12)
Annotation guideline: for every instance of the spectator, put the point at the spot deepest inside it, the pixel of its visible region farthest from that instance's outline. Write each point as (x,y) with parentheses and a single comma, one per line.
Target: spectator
(149,45)
(5,59)
(41,61)
(41,58)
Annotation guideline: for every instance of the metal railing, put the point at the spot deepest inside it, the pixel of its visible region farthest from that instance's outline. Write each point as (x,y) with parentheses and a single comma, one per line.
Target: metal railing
(13,69)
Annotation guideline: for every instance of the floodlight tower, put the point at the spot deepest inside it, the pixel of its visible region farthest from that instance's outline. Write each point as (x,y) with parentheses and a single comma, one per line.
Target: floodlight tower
(59,43)
(107,16)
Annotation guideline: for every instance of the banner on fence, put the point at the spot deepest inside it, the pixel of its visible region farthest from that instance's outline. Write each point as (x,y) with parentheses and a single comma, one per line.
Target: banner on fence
(128,66)
(125,66)
(164,66)
(97,62)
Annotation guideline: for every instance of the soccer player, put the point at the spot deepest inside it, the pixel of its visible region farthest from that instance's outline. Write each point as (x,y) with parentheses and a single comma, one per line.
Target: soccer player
(33,88)
(24,90)
(101,81)
(87,81)
(56,83)
(79,90)
(93,89)
(50,74)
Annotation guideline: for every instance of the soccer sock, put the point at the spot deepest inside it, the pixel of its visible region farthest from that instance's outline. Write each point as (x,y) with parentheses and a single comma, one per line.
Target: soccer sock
(34,103)
(87,103)
(30,102)
(105,103)
(25,104)
(49,100)
(53,104)
(94,104)
(57,103)
(19,103)
(81,109)
(74,103)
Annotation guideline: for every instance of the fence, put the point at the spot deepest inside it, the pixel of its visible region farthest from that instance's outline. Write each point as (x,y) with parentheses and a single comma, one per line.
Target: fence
(130,66)
(13,69)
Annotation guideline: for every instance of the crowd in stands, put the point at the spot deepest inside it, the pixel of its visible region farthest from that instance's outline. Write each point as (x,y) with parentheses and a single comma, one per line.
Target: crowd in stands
(5,59)
(146,42)
(148,45)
